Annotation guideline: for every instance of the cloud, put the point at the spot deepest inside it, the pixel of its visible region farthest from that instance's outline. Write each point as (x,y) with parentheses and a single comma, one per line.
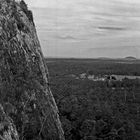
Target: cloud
(68,37)
(111,28)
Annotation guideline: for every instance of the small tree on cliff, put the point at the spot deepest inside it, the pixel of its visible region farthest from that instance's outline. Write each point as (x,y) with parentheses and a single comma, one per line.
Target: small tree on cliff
(26,10)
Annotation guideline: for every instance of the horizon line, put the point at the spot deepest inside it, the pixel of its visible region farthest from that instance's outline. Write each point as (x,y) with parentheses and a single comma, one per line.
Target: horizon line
(47,57)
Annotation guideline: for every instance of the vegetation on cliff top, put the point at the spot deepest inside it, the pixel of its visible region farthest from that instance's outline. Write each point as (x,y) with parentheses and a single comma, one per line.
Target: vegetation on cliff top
(28,12)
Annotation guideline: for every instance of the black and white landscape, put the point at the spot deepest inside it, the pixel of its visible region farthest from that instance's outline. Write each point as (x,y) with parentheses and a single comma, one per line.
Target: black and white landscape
(69,70)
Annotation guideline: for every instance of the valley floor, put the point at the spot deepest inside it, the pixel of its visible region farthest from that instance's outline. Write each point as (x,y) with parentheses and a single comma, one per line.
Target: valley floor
(97,109)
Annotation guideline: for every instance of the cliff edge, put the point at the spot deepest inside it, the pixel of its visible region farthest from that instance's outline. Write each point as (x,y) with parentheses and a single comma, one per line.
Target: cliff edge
(27,105)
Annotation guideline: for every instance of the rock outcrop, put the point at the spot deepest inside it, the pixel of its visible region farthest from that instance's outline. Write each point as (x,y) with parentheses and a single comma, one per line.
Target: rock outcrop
(7,128)
(27,103)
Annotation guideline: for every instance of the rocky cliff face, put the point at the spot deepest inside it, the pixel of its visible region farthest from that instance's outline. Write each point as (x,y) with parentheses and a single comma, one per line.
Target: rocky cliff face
(27,104)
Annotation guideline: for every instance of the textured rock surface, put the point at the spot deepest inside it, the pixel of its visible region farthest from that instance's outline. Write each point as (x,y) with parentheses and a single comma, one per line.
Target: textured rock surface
(24,92)
(7,128)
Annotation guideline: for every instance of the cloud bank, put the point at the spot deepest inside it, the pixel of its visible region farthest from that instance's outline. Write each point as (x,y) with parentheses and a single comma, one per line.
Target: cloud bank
(72,28)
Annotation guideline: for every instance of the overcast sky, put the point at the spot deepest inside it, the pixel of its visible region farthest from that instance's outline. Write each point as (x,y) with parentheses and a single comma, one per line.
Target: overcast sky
(56,3)
(88,28)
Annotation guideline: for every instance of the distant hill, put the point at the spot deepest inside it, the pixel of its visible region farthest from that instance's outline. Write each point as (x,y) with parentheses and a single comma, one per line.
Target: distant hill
(130,58)
(105,58)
